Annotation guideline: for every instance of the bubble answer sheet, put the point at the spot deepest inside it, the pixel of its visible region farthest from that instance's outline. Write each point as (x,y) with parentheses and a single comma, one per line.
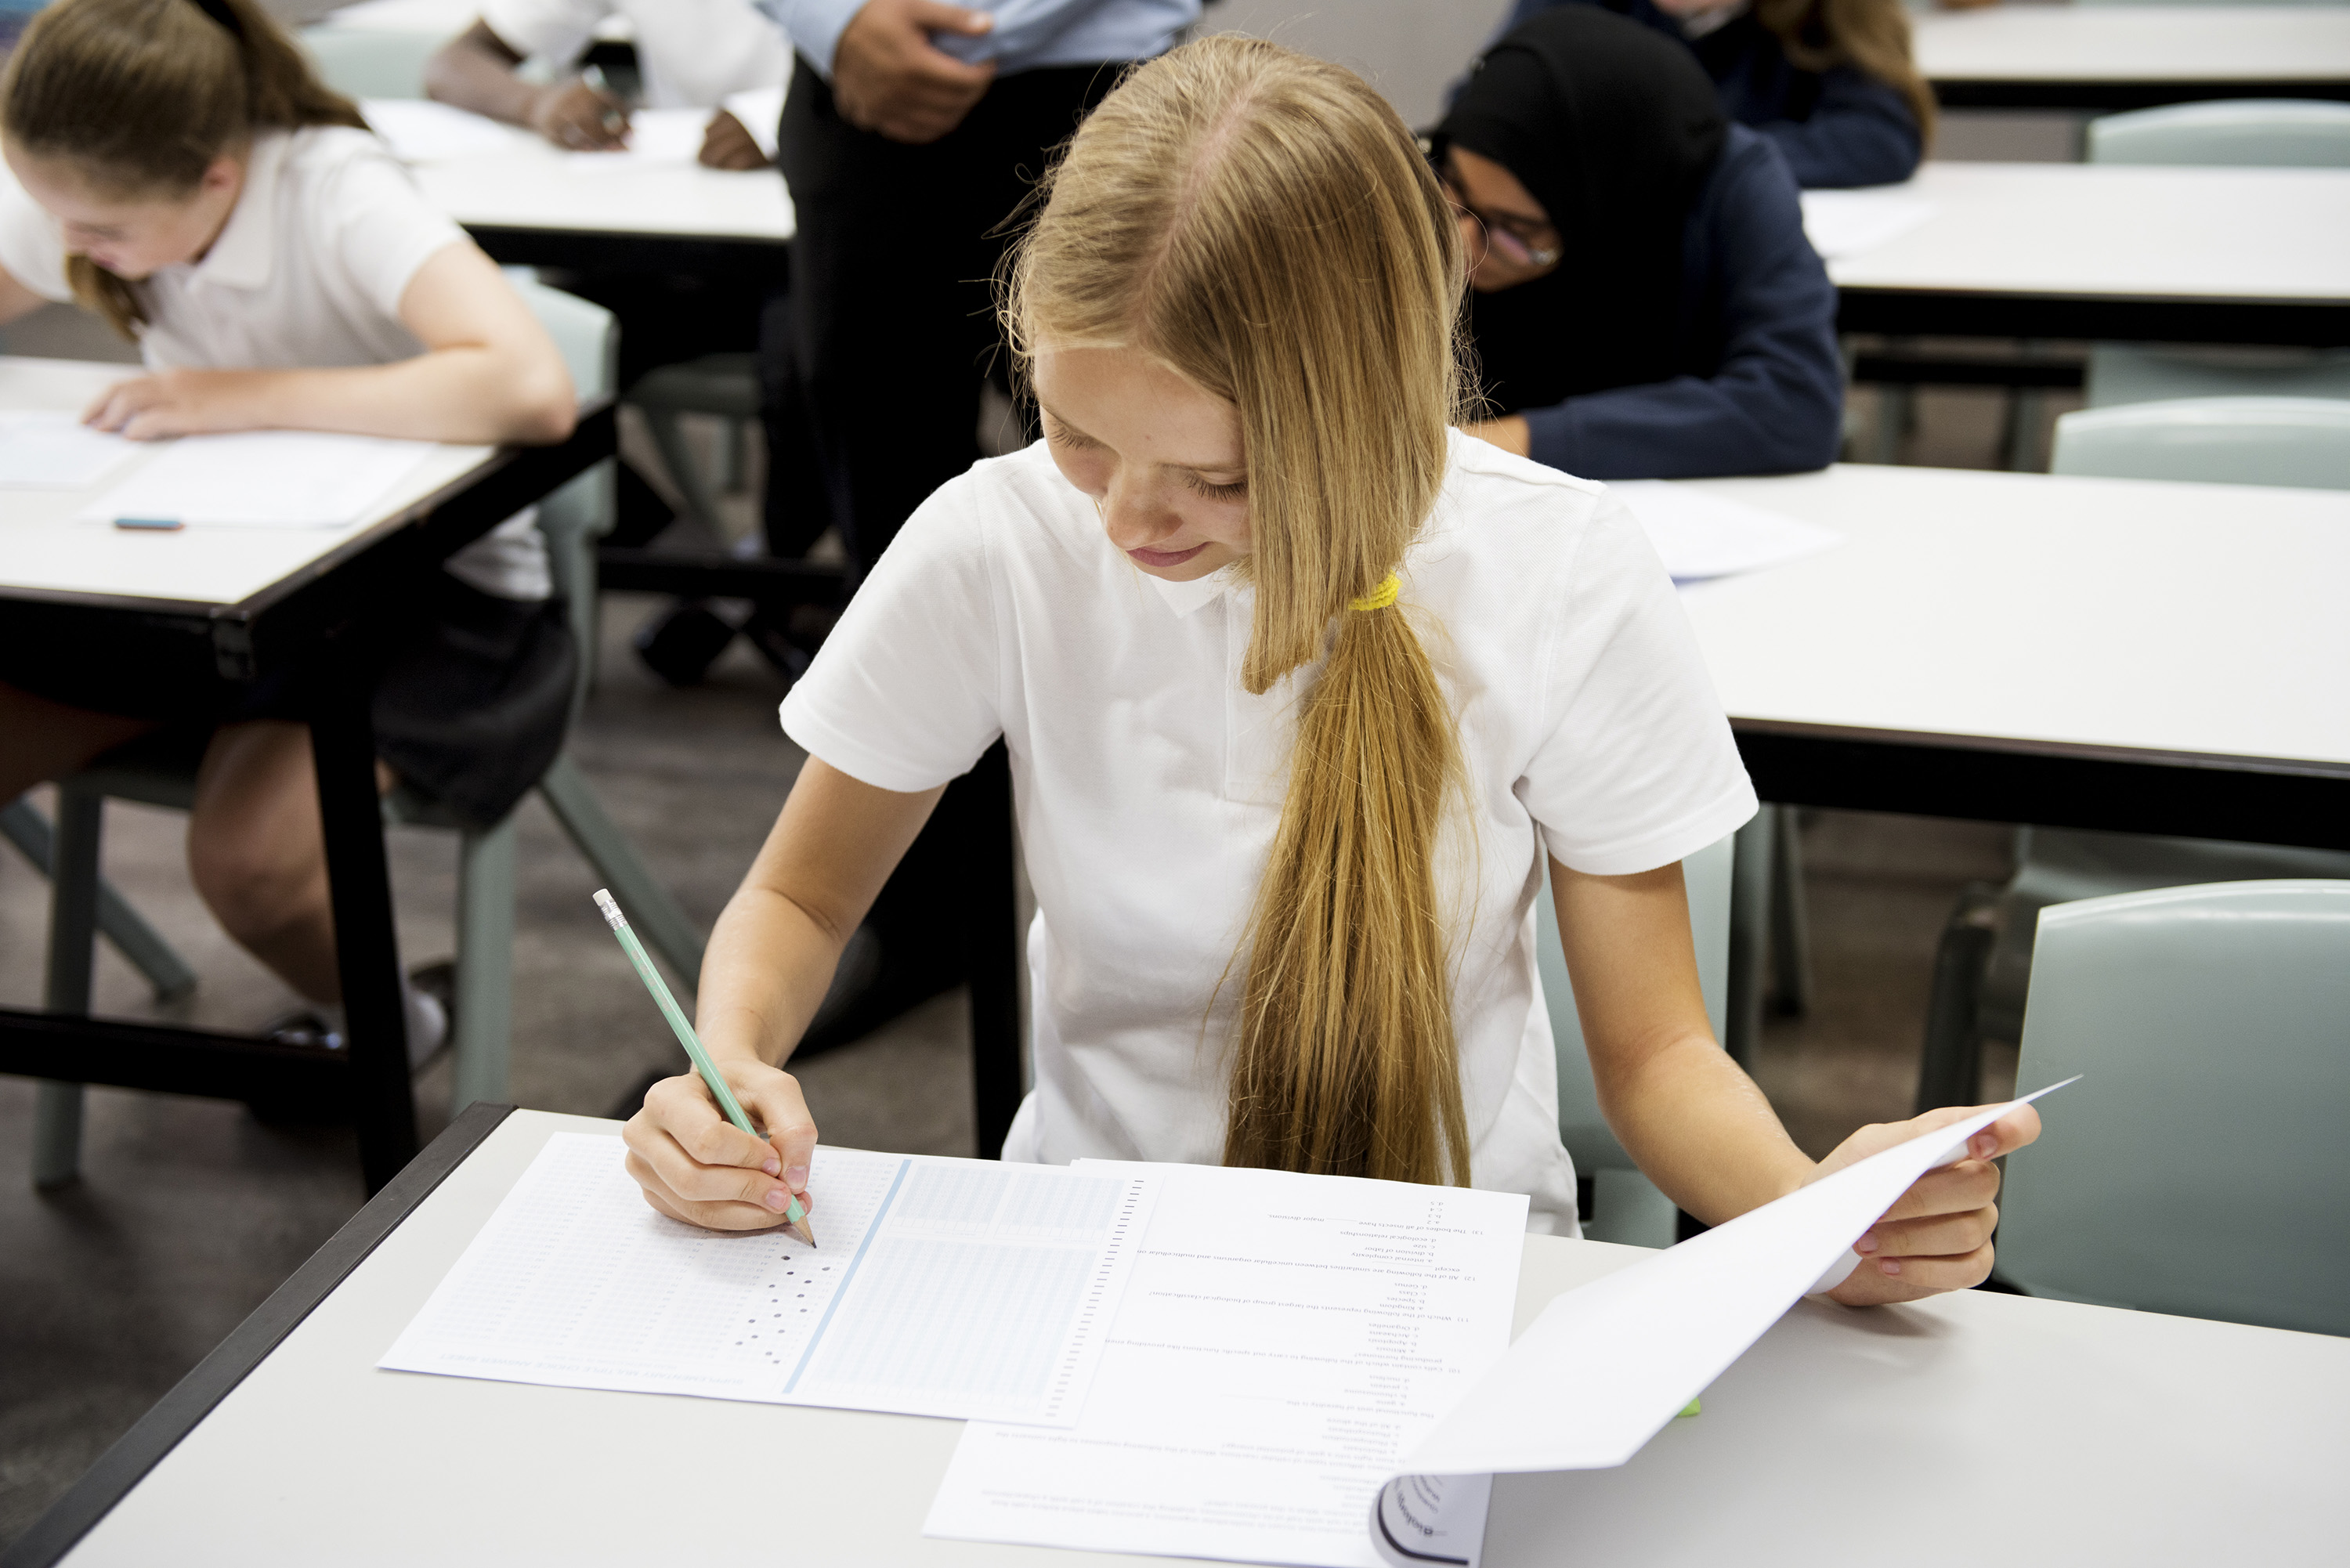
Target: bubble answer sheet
(940,1287)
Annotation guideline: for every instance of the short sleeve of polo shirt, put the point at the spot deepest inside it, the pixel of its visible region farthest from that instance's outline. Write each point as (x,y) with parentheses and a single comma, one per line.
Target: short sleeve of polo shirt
(905,693)
(1635,767)
(32,246)
(552,29)
(378,227)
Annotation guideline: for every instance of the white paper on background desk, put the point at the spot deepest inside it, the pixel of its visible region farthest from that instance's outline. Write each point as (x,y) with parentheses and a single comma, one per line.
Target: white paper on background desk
(1607,1365)
(54,451)
(761,110)
(1850,222)
(422,131)
(943,1287)
(655,136)
(1284,1342)
(1700,535)
(262,479)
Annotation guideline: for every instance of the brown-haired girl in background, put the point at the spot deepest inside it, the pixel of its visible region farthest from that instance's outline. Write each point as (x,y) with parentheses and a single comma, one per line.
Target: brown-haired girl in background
(179,170)
(1300,687)
(1830,82)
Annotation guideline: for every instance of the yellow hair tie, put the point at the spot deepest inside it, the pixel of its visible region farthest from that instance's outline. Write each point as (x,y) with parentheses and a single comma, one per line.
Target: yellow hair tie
(1381,596)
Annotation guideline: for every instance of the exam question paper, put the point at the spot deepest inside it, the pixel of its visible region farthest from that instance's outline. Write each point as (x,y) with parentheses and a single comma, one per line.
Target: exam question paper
(42,450)
(262,479)
(941,1287)
(1284,1343)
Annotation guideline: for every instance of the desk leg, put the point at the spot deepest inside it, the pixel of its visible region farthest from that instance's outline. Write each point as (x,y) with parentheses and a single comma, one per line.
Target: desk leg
(994,949)
(342,743)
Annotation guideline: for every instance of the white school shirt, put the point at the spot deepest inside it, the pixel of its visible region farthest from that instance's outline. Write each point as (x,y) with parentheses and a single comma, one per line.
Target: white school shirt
(306,273)
(692,53)
(1148,781)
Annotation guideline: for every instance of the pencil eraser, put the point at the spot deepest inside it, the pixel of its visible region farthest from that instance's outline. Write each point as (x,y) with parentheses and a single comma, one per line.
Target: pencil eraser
(150,525)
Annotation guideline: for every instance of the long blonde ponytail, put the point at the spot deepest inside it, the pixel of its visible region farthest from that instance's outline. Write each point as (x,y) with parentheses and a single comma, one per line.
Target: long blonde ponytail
(1264,224)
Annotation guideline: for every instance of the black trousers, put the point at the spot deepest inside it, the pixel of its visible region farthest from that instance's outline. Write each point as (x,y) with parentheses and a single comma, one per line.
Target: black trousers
(893,299)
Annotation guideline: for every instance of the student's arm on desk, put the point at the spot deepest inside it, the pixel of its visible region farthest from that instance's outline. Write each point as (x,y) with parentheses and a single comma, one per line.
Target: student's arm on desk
(489,373)
(766,969)
(15,299)
(1703,1133)
(475,70)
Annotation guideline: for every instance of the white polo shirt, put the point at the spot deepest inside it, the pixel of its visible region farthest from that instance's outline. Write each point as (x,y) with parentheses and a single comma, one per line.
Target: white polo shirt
(306,274)
(1149,782)
(692,53)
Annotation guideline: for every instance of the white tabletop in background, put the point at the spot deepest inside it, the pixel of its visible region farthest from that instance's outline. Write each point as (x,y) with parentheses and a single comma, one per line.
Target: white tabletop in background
(2181,618)
(437,18)
(43,545)
(2135,43)
(1970,1429)
(530,184)
(2104,230)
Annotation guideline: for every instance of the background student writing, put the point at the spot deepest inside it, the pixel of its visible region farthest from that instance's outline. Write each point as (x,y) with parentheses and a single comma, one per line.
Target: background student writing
(692,54)
(1643,300)
(1830,82)
(178,170)
(1301,691)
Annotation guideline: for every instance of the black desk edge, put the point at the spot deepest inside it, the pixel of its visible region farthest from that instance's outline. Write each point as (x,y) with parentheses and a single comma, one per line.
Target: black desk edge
(2104,96)
(158,1432)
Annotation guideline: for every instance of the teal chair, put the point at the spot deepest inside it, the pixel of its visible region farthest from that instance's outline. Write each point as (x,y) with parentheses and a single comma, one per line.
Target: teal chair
(1625,1205)
(2198,1169)
(1986,953)
(571,520)
(2273,134)
(2302,441)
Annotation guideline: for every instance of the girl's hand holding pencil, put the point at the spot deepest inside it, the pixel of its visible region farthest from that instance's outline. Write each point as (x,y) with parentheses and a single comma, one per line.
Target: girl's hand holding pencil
(706,1168)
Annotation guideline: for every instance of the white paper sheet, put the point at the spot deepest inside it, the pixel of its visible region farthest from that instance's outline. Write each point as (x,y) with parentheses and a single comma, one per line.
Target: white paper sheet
(46,451)
(422,131)
(761,110)
(943,1287)
(1605,1366)
(1849,222)
(1284,1343)
(1702,536)
(262,479)
(655,136)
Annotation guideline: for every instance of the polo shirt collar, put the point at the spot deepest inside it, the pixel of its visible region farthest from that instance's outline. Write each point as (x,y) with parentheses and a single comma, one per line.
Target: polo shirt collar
(1184,598)
(244,254)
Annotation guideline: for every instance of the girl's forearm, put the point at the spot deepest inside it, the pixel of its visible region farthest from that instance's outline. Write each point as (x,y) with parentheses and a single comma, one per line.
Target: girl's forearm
(455,394)
(1698,1128)
(763,974)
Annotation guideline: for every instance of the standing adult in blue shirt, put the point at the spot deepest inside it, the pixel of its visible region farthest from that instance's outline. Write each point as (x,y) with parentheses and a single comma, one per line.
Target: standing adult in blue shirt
(1830,82)
(912,130)
(1644,302)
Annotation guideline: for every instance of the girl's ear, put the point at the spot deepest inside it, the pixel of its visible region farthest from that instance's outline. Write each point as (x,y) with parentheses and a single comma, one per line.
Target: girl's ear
(223,175)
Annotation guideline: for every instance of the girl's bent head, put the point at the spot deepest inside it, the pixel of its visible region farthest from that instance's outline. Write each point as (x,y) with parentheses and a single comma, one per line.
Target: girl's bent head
(128,120)
(1263,225)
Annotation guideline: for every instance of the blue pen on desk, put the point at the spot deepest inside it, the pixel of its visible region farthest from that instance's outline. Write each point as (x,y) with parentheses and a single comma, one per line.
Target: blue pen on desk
(150,525)
(796,1214)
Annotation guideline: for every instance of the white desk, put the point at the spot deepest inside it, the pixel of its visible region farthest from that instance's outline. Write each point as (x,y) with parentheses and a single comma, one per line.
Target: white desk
(44,549)
(202,605)
(2071,250)
(2060,1434)
(2131,56)
(2095,653)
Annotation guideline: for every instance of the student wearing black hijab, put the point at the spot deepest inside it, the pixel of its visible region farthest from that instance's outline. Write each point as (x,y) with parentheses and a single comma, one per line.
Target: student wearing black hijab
(1831,82)
(1644,303)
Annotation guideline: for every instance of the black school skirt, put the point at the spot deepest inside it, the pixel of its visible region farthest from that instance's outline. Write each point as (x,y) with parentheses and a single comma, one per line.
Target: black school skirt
(470,707)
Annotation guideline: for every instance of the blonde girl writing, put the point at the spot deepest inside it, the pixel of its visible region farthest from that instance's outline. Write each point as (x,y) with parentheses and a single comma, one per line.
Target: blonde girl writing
(1301,687)
(175,168)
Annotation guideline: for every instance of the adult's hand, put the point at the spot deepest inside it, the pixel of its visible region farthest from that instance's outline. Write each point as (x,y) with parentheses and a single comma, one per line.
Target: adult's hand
(696,1166)
(1937,1238)
(573,114)
(888,78)
(727,143)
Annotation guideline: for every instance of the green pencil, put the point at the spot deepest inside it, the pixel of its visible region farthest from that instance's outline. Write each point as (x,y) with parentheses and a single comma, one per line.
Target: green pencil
(796,1215)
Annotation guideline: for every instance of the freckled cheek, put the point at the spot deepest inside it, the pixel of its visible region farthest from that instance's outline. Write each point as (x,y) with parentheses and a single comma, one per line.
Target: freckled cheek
(1087,470)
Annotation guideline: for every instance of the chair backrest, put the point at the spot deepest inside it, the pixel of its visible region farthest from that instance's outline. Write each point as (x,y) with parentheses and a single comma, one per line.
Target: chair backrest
(1585,1130)
(365,62)
(2247,132)
(2299,441)
(2198,1169)
(582,512)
